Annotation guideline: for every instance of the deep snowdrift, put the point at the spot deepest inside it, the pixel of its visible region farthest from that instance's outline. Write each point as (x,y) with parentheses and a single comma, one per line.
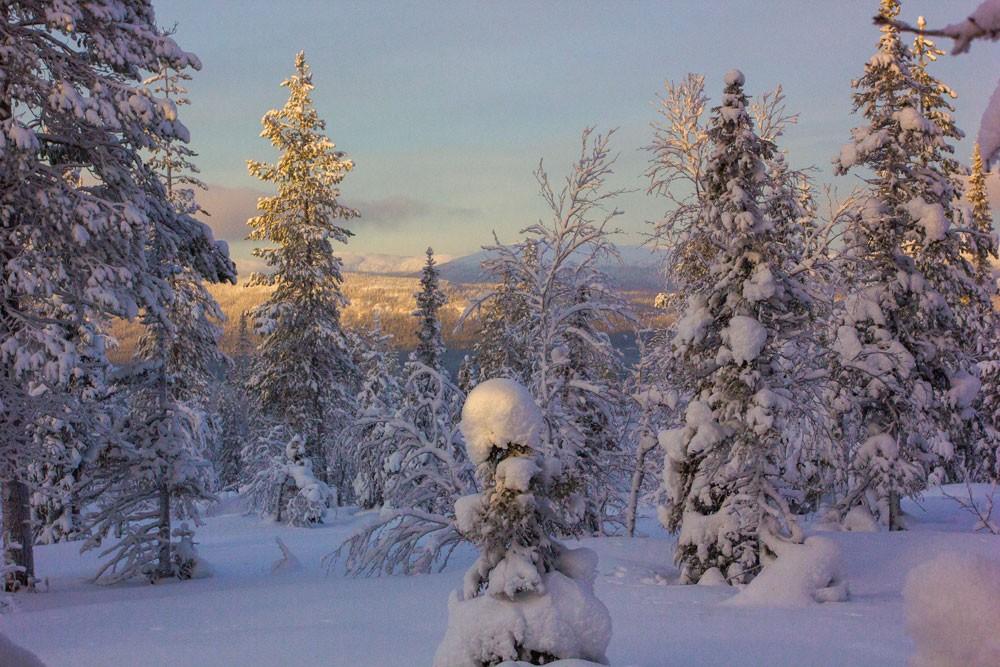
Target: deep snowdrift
(244,615)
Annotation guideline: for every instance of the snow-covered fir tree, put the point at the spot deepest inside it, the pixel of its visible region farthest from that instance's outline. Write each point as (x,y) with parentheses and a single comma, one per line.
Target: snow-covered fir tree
(74,252)
(737,345)
(569,304)
(526,597)
(911,319)
(303,368)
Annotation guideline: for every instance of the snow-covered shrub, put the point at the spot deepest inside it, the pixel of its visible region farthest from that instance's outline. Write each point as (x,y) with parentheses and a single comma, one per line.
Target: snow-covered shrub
(280,481)
(952,605)
(424,470)
(308,497)
(527,597)
(187,563)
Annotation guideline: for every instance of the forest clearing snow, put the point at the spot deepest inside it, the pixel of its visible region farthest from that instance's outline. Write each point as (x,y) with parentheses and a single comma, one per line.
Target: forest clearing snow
(246,615)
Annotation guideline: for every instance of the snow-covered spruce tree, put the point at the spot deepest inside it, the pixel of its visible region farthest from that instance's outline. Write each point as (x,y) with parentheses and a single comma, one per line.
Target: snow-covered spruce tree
(737,347)
(281,484)
(303,368)
(982,24)
(982,244)
(430,299)
(468,374)
(376,404)
(68,430)
(526,597)
(680,151)
(569,304)
(911,319)
(983,249)
(429,351)
(74,252)
(162,467)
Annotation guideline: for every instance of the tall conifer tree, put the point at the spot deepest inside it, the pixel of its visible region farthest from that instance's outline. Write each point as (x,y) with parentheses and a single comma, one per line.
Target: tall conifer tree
(304,366)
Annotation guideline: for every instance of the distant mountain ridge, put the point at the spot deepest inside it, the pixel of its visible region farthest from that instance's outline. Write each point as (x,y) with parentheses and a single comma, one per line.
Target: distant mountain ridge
(640,269)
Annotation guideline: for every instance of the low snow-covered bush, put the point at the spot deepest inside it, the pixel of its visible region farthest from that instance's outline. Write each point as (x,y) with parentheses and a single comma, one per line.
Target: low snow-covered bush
(527,597)
(281,482)
(952,605)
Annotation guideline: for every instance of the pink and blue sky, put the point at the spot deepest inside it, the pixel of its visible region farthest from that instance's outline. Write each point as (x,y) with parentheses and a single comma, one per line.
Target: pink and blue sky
(446,107)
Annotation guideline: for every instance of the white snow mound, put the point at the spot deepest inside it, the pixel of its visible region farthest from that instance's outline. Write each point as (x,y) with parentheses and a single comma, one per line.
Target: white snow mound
(734,77)
(802,575)
(497,413)
(567,620)
(952,605)
(746,337)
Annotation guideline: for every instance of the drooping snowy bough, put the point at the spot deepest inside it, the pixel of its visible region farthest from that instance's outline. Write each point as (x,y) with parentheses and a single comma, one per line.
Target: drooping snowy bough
(527,597)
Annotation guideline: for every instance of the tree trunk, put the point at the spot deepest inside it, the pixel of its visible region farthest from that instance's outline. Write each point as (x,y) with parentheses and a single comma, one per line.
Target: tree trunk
(314,449)
(164,567)
(895,512)
(17,533)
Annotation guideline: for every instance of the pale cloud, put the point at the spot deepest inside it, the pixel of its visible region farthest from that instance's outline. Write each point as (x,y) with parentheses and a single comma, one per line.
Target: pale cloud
(398,210)
(229,208)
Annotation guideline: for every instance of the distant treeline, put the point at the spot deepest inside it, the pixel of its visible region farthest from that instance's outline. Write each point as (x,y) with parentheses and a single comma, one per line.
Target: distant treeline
(390,298)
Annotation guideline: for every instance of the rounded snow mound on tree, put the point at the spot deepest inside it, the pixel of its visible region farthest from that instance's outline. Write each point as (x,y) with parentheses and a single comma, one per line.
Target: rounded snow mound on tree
(734,77)
(566,622)
(802,575)
(745,337)
(498,413)
(952,606)
(12,655)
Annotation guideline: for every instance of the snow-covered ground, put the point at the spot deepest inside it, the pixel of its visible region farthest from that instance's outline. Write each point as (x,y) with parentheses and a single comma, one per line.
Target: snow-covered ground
(246,615)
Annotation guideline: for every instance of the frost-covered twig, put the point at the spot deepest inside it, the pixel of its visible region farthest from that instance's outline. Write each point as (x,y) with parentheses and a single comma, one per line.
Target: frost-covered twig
(983,512)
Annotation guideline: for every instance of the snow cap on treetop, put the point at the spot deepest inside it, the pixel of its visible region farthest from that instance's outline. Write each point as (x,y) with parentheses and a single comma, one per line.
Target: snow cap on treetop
(497,413)
(734,77)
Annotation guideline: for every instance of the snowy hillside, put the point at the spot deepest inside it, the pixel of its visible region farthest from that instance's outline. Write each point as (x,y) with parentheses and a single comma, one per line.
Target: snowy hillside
(248,615)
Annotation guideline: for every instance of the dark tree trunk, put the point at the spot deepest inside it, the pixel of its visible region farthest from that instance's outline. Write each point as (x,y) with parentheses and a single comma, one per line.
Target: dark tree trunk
(895,512)
(17,531)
